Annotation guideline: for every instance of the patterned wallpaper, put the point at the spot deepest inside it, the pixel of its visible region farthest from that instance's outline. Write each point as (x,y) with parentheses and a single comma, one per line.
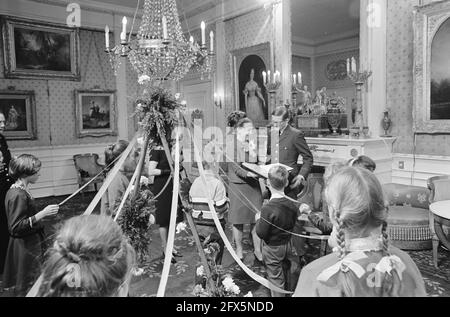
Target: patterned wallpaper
(400,59)
(56,112)
(245,31)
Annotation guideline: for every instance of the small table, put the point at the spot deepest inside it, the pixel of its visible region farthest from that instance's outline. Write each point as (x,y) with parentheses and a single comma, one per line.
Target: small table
(439,217)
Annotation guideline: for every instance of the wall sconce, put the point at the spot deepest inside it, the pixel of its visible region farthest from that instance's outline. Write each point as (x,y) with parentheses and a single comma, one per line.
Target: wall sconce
(217,101)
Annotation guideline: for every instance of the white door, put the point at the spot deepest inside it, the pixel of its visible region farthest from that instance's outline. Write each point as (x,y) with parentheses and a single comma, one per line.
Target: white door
(199,95)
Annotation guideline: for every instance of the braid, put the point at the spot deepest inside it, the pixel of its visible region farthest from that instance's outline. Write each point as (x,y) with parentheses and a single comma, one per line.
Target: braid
(340,236)
(385,239)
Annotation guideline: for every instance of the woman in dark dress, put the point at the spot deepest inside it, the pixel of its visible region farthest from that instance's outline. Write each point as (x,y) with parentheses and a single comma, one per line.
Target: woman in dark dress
(5,184)
(26,244)
(159,168)
(244,187)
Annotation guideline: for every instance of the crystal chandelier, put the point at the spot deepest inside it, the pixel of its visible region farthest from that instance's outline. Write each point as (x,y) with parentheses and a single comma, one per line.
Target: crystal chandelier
(160,51)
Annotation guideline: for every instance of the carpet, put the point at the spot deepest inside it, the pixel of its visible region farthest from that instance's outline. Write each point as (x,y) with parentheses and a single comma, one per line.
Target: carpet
(182,273)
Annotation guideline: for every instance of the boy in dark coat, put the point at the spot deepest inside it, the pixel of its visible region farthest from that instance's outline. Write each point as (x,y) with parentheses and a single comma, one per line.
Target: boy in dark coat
(277,220)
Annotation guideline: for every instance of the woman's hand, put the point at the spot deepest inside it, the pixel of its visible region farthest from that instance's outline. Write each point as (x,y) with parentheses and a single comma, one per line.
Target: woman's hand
(305,209)
(48,212)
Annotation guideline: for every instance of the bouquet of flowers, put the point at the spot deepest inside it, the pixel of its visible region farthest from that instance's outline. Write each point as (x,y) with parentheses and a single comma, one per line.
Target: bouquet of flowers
(136,219)
(156,111)
(223,283)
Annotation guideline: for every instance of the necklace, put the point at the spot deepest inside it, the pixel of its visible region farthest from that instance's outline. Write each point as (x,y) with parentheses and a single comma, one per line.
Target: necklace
(21,186)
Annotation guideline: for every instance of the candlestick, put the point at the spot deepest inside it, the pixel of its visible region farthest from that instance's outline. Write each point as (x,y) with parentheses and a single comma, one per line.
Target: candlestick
(203,27)
(295,79)
(107,36)
(123,35)
(348,66)
(300,80)
(268,76)
(354,65)
(211,38)
(164,25)
(264,74)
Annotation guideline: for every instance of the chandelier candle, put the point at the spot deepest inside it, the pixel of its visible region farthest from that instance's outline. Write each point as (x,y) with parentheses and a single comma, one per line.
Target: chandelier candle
(211,37)
(107,37)
(300,81)
(264,74)
(203,27)
(164,26)
(123,35)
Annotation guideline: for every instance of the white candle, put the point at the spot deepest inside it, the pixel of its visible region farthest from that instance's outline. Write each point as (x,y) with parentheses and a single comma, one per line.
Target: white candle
(211,37)
(300,81)
(164,26)
(191,39)
(264,77)
(268,76)
(348,66)
(107,36)
(295,79)
(203,27)
(123,35)
(354,65)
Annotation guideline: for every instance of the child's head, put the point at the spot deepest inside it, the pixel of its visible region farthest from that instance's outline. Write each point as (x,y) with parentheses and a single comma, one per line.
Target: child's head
(333,169)
(113,151)
(90,258)
(206,166)
(278,178)
(25,166)
(364,162)
(357,205)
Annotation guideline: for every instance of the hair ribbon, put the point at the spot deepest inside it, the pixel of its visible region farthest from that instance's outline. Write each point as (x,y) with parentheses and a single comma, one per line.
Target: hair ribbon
(345,265)
(389,263)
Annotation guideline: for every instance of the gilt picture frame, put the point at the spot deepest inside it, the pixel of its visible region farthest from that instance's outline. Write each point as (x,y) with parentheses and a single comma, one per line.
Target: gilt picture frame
(258,58)
(95,113)
(19,109)
(40,50)
(431,74)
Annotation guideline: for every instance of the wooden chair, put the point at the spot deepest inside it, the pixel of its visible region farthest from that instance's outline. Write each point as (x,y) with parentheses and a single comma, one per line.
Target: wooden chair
(87,167)
(440,190)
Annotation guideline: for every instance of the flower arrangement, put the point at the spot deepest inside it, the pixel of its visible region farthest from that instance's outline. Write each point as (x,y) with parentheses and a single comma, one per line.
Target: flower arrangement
(136,219)
(224,283)
(156,110)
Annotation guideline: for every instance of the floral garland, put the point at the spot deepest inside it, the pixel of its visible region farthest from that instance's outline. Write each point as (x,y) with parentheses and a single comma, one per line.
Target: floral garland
(136,219)
(157,110)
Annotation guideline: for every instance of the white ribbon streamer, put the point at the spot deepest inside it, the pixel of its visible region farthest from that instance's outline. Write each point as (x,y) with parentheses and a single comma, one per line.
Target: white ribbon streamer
(347,264)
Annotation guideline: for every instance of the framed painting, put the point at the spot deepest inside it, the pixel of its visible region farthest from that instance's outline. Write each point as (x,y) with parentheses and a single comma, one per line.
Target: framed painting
(250,93)
(33,49)
(95,113)
(19,109)
(432,68)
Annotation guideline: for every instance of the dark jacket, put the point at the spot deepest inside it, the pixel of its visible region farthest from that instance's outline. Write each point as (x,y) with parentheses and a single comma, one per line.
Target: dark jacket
(282,213)
(292,145)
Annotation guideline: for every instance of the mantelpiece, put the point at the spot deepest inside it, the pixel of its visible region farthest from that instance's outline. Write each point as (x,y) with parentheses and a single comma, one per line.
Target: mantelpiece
(330,150)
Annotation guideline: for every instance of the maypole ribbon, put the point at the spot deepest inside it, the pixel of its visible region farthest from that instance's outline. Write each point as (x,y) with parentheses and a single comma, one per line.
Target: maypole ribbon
(222,234)
(173,217)
(111,177)
(126,194)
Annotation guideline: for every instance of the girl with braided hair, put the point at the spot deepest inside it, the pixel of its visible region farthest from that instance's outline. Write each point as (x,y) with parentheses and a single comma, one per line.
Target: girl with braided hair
(363,263)
(89,258)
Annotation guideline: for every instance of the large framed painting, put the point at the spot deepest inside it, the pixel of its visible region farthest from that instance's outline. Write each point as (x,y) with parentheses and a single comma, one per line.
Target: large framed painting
(19,109)
(250,94)
(34,49)
(95,113)
(432,68)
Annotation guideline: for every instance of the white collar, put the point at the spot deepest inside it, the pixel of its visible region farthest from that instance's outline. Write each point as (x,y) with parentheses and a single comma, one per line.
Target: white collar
(276,196)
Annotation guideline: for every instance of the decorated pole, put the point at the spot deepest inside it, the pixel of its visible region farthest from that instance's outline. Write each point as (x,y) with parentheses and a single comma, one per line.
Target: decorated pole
(190,220)
(140,166)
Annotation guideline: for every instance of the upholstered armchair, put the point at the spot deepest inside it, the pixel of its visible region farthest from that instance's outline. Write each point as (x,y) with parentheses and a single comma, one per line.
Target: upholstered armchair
(87,167)
(408,220)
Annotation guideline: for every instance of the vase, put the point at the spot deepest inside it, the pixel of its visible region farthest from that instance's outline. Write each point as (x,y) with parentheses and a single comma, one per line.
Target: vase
(334,119)
(386,123)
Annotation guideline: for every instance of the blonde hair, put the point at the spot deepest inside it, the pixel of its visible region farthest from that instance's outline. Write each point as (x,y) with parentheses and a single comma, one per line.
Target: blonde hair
(23,166)
(97,248)
(358,199)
